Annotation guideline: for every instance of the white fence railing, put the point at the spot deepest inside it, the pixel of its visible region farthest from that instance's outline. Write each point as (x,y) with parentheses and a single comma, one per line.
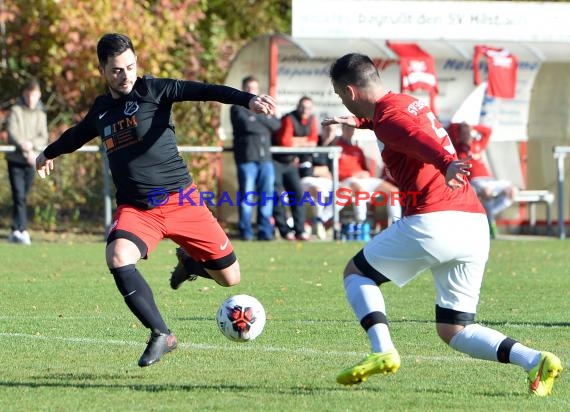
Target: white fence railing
(332,151)
(559,152)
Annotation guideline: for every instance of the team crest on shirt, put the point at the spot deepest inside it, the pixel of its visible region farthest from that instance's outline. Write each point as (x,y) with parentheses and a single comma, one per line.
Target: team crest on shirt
(131,108)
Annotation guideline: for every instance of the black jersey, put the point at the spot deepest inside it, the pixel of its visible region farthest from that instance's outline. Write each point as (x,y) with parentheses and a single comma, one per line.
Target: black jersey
(137,132)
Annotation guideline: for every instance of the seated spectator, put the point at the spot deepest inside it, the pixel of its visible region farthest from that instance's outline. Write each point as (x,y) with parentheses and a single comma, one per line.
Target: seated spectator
(298,129)
(354,174)
(496,195)
(319,182)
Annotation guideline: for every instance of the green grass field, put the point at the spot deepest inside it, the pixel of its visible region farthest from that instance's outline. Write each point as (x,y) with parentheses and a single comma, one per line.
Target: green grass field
(68,342)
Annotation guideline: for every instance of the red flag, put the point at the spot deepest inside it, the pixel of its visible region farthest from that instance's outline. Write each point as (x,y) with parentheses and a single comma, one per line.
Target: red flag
(502,69)
(417,69)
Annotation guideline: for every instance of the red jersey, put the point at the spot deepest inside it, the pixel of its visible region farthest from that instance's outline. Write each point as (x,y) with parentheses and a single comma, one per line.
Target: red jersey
(287,132)
(351,160)
(502,69)
(417,150)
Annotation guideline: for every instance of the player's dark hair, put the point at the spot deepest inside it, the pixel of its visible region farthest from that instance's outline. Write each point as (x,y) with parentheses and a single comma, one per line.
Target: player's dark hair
(356,69)
(111,45)
(248,79)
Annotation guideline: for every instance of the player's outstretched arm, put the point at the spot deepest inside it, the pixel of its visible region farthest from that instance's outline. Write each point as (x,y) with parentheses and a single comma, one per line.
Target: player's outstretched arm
(348,120)
(263,104)
(43,165)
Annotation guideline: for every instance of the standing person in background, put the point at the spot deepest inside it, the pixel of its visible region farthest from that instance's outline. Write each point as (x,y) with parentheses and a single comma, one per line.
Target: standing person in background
(418,153)
(298,129)
(496,195)
(156,195)
(252,143)
(28,131)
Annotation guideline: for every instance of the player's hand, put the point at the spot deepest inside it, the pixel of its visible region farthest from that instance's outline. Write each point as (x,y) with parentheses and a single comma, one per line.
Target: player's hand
(348,120)
(263,104)
(43,165)
(456,174)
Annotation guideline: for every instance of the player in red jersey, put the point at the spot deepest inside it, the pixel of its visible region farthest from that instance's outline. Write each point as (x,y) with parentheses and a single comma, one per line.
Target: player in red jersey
(419,155)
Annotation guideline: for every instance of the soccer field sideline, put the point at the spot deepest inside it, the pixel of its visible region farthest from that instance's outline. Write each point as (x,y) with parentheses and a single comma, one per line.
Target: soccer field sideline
(234,347)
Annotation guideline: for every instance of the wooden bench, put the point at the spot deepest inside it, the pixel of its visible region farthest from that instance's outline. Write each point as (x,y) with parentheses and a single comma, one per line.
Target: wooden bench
(533,197)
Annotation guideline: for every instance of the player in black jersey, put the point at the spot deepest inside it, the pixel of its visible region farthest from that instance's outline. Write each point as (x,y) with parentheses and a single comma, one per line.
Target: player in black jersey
(156,196)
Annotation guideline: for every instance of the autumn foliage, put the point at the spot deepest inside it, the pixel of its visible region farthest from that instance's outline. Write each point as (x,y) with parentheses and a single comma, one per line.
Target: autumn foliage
(55,40)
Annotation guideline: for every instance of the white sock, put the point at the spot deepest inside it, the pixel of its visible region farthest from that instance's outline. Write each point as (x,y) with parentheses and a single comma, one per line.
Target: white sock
(524,357)
(478,342)
(482,343)
(365,297)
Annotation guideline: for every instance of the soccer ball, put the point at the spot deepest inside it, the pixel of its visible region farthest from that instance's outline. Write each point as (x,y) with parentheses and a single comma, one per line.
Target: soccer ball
(241,318)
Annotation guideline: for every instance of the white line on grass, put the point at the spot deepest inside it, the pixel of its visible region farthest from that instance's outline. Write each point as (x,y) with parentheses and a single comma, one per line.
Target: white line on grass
(292,321)
(234,347)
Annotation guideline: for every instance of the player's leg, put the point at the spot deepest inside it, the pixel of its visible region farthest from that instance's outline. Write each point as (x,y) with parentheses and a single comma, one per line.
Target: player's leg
(366,299)
(455,328)
(388,256)
(205,249)
(458,285)
(133,236)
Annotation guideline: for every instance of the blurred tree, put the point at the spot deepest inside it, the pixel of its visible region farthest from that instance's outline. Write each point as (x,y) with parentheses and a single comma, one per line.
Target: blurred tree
(55,41)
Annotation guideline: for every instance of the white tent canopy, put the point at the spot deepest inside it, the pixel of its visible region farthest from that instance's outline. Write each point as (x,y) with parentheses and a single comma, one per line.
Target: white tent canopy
(439,49)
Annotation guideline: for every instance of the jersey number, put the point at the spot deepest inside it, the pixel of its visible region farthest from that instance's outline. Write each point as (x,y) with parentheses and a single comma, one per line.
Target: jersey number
(441,133)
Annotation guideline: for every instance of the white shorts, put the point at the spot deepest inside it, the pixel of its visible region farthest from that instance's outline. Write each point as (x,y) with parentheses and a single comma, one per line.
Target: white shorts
(454,245)
(368,184)
(321,184)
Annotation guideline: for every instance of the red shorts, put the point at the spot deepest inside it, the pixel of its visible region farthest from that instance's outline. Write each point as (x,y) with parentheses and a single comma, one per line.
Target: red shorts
(184,220)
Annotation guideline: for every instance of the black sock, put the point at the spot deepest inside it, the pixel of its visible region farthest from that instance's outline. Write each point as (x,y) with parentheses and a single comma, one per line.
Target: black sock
(138,297)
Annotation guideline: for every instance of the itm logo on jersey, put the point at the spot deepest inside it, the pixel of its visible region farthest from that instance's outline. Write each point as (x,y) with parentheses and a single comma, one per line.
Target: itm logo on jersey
(120,134)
